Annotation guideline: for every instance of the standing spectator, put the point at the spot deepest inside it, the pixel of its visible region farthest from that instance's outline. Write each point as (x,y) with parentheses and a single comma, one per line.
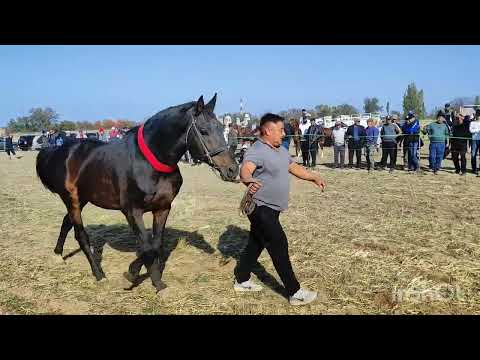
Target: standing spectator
(411,139)
(44,139)
(59,140)
(101,135)
(81,134)
(449,119)
(303,127)
(372,137)
(51,138)
(288,136)
(338,139)
(356,140)
(232,139)
(389,133)
(475,130)
(459,143)
(9,147)
(113,133)
(449,116)
(438,134)
(313,135)
(466,122)
(402,141)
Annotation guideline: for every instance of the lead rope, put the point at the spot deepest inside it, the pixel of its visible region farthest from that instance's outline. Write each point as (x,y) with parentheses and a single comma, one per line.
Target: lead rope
(246,205)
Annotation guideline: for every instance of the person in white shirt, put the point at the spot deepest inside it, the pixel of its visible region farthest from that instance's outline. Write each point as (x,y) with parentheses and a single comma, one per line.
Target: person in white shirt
(475,130)
(338,138)
(303,127)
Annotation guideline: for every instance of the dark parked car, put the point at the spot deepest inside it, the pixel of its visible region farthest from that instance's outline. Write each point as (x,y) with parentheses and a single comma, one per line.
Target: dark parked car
(25,142)
(92,135)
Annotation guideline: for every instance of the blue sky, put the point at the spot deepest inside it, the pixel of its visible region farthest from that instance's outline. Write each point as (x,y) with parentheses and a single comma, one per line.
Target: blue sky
(134,82)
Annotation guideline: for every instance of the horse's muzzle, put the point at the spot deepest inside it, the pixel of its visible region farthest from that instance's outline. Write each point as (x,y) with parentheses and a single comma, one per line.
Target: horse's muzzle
(229,173)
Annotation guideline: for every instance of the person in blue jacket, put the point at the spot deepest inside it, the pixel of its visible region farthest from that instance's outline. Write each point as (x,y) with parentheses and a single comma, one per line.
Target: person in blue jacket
(411,131)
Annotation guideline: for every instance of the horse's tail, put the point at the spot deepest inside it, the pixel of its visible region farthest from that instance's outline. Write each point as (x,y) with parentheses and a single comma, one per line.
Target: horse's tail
(51,168)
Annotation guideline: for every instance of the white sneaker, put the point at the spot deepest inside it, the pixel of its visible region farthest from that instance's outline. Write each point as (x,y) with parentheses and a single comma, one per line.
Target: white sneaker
(302,297)
(248,285)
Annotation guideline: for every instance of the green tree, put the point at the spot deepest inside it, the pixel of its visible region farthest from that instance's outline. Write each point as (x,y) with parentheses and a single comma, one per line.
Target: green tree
(370,105)
(39,119)
(323,110)
(413,100)
(66,125)
(477,100)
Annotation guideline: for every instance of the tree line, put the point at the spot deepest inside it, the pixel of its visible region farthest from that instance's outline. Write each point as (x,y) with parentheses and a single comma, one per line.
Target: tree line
(40,119)
(413,99)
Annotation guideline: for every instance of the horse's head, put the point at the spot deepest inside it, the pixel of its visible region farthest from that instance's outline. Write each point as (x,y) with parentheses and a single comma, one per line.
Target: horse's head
(205,140)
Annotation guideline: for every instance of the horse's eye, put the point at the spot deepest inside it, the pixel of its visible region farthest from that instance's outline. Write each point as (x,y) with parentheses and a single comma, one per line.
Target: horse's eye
(203,131)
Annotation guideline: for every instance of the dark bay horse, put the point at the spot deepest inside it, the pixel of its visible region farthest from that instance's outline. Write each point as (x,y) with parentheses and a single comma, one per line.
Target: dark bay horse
(136,174)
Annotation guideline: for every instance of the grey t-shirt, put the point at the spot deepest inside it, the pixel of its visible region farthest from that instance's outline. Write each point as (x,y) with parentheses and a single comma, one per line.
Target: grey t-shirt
(272,171)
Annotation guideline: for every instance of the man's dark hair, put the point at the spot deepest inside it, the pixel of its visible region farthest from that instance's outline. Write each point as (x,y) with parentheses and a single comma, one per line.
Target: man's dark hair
(269,117)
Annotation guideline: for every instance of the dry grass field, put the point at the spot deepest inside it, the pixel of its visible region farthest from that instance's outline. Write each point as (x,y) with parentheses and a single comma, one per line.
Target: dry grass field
(375,243)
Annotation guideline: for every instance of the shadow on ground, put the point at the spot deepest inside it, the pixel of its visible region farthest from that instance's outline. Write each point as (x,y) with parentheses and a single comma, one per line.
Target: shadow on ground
(120,237)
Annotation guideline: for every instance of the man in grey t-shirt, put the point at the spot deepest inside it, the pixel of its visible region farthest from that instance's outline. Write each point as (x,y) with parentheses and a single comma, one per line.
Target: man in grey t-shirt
(265,170)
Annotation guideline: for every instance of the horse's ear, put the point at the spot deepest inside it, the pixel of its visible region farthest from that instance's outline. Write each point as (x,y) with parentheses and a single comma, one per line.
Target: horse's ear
(211,104)
(199,106)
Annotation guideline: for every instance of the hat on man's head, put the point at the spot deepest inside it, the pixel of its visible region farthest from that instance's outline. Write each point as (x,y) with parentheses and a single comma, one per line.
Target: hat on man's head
(410,116)
(440,113)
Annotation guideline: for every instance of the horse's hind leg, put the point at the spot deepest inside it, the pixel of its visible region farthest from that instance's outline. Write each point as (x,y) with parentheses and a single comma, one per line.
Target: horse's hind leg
(66,227)
(64,230)
(81,235)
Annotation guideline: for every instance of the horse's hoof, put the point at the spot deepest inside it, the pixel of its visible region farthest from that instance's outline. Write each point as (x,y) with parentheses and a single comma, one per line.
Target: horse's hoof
(132,279)
(58,259)
(159,286)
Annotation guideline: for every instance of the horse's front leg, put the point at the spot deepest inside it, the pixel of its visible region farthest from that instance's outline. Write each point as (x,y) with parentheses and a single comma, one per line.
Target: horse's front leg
(156,270)
(144,251)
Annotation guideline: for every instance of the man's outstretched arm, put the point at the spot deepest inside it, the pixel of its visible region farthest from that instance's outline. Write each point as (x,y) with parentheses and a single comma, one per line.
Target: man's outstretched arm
(301,173)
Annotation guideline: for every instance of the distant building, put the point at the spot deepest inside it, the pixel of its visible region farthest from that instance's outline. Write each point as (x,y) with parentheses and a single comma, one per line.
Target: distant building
(468,110)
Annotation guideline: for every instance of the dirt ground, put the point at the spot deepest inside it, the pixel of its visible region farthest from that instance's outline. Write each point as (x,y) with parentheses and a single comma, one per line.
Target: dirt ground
(375,243)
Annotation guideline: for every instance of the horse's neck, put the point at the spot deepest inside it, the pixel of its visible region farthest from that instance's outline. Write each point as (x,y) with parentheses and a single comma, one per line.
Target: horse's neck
(166,142)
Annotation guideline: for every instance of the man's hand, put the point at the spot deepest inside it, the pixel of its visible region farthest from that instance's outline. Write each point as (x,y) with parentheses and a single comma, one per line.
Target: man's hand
(254,186)
(301,173)
(320,182)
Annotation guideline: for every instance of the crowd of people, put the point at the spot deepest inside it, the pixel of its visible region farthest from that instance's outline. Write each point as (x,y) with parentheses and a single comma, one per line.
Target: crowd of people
(451,133)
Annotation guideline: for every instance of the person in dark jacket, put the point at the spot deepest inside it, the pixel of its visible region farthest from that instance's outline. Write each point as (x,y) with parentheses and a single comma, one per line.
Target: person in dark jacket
(411,140)
(356,136)
(288,135)
(313,135)
(459,144)
(9,147)
(389,134)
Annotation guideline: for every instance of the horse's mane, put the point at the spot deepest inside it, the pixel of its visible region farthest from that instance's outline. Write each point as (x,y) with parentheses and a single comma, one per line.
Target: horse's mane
(171,111)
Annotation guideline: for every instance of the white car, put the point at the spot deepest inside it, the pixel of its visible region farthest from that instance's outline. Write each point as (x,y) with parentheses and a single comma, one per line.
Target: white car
(37,142)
